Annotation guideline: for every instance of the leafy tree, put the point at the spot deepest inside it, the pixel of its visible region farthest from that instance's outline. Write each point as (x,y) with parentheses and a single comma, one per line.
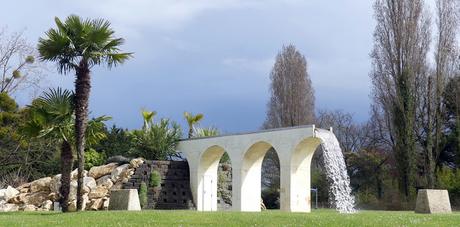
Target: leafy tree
(21,159)
(451,152)
(192,120)
(78,45)
(399,58)
(117,142)
(7,104)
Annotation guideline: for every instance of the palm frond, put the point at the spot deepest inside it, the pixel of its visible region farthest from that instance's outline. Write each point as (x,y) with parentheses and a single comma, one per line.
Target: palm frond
(51,115)
(76,40)
(96,130)
(205,132)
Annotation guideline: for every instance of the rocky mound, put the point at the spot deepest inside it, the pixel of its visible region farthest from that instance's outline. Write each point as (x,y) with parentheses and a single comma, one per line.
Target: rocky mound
(42,193)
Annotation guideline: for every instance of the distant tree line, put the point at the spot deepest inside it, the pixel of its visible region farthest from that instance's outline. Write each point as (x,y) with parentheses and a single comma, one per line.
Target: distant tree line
(412,139)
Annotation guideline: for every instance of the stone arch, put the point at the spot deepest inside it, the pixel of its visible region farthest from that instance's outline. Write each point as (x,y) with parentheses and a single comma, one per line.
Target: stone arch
(251,175)
(300,163)
(207,178)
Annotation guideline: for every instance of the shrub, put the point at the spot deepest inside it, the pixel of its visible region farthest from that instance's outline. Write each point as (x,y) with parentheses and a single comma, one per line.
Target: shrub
(155,179)
(157,141)
(366,199)
(143,194)
(117,142)
(450,179)
(93,158)
(271,196)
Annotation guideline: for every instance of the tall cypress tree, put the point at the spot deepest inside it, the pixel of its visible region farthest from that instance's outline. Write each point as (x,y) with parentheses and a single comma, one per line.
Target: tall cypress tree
(292,100)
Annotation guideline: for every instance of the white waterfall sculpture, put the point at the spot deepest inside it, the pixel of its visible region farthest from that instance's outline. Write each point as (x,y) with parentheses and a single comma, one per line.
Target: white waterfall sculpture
(336,172)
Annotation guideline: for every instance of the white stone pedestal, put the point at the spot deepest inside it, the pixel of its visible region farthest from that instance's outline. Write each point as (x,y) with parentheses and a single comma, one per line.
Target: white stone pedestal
(430,201)
(124,199)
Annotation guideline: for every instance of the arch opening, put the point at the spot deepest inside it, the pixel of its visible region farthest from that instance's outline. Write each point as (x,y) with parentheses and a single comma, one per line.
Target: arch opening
(209,179)
(270,183)
(251,174)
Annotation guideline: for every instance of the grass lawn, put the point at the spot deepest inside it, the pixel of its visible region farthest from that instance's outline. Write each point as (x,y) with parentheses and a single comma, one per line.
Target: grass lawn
(194,218)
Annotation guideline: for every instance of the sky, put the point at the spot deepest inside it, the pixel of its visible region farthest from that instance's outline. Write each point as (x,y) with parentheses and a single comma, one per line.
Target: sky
(213,57)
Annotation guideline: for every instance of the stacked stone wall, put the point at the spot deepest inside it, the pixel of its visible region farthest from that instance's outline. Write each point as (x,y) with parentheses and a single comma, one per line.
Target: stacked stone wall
(174,191)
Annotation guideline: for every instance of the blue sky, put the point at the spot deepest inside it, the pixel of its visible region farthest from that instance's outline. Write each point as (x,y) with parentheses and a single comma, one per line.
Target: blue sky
(214,57)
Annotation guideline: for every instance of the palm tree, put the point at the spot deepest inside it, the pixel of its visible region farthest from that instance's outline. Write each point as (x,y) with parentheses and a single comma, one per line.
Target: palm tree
(78,45)
(192,120)
(51,116)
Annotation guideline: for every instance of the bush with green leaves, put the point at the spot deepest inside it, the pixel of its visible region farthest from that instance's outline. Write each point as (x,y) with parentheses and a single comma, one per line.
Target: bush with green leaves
(143,194)
(117,142)
(271,198)
(155,141)
(449,179)
(155,178)
(94,158)
(22,159)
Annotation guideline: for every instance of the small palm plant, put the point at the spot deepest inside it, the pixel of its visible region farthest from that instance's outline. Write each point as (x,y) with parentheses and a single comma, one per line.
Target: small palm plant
(76,45)
(206,132)
(156,141)
(148,118)
(52,116)
(192,120)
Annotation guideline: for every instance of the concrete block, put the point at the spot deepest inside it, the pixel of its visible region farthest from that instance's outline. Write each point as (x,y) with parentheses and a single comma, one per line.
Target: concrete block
(431,201)
(124,199)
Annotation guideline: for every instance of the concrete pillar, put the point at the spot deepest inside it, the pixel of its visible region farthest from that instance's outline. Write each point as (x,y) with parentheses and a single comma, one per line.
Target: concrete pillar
(285,186)
(295,193)
(236,186)
(249,189)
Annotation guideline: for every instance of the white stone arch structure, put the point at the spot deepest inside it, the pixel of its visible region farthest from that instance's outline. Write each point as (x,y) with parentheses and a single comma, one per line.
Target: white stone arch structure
(295,147)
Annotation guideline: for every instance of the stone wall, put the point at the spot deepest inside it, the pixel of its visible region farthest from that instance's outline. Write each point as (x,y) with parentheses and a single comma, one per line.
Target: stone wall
(174,192)
(41,194)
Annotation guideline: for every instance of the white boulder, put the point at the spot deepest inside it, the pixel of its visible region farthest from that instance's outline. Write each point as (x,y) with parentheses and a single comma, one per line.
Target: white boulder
(40,185)
(117,171)
(99,171)
(135,163)
(105,182)
(8,193)
(8,207)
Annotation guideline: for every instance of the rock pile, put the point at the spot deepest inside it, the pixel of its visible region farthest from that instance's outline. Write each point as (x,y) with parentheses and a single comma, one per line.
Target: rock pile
(40,195)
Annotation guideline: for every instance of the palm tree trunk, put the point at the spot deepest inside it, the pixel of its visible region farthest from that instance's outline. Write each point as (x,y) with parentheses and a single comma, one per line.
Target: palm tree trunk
(66,169)
(190,131)
(82,91)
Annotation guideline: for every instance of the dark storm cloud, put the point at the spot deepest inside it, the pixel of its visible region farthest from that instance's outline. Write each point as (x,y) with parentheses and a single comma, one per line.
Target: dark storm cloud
(215,57)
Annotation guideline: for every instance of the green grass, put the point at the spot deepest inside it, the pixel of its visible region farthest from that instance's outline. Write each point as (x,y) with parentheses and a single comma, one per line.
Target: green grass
(194,218)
